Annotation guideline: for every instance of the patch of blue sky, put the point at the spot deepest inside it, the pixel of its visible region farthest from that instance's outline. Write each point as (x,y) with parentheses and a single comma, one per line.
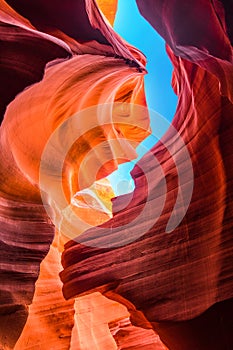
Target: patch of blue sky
(160,97)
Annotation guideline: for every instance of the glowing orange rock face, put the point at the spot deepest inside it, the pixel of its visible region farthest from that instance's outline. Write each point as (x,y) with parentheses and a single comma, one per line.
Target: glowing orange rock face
(51,318)
(109,8)
(67,88)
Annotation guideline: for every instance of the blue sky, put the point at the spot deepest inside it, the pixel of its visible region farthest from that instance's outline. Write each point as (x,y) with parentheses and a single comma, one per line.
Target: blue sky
(137,31)
(160,96)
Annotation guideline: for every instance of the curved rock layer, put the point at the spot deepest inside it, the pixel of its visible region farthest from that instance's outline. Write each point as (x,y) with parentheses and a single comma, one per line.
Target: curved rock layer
(51,317)
(174,276)
(29,42)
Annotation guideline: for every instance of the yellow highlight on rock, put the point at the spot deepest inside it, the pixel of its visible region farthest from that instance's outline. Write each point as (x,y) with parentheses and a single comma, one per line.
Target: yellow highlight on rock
(109,8)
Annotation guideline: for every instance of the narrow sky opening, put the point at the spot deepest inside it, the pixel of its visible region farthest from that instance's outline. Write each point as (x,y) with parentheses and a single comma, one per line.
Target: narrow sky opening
(130,25)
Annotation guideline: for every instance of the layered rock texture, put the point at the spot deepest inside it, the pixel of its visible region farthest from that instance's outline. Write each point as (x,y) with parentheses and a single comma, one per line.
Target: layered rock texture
(165,255)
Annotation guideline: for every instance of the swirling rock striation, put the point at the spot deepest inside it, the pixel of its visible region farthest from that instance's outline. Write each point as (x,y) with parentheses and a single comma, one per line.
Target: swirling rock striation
(38,41)
(160,276)
(174,276)
(38,34)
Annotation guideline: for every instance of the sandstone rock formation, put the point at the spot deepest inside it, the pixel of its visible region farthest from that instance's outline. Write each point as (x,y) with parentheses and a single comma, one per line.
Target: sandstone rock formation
(153,261)
(174,276)
(35,314)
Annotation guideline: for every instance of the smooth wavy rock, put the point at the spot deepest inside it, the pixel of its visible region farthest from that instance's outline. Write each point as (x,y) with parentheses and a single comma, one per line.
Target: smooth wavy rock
(160,275)
(26,233)
(88,322)
(64,100)
(54,322)
(24,54)
(174,275)
(71,92)
(101,323)
(200,33)
(131,337)
(32,37)
(51,318)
